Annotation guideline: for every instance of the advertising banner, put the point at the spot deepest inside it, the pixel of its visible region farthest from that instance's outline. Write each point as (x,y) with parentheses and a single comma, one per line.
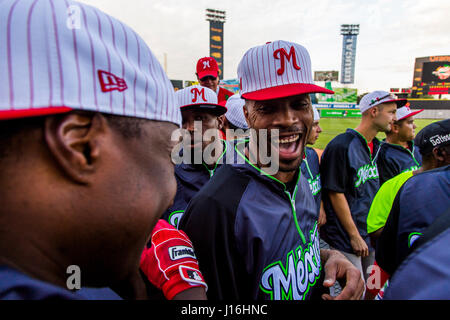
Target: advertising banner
(326,75)
(336,113)
(348,59)
(340,95)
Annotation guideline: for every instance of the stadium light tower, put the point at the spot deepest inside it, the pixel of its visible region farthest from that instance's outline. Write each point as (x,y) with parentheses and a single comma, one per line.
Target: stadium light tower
(216,20)
(350,33)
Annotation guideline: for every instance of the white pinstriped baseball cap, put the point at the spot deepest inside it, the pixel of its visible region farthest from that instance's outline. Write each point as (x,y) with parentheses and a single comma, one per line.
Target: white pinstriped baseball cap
(235,112)
(57,56)
(199,98)
(276,70)
(316,114)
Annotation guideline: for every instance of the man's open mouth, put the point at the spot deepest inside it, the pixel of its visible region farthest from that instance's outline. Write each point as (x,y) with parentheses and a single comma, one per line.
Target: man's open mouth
(288,146)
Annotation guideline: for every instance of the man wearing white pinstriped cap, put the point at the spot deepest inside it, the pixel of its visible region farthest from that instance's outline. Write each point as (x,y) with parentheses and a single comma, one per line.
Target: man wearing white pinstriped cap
(256,234)
(86,116)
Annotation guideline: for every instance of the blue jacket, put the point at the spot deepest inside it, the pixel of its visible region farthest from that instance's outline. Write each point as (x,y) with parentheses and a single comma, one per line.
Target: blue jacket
(15,285)
(422,199)
(190,179)
(311,171)
(348,167)
(255,238)
(394,159)
(425,274)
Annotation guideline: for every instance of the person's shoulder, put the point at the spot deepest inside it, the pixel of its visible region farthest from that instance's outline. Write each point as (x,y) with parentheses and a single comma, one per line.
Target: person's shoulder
(430,176)
(342,140)
(310,151)
(339,145)
(226,91)
(398,179)
(227,184)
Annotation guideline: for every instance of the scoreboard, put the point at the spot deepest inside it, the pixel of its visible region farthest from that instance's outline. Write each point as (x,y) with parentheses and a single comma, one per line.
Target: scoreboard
(431,76)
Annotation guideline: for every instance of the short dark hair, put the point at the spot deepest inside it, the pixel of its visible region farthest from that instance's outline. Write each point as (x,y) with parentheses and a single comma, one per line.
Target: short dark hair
(129,127)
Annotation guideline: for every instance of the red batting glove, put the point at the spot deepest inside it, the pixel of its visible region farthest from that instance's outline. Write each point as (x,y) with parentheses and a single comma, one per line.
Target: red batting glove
(170,263)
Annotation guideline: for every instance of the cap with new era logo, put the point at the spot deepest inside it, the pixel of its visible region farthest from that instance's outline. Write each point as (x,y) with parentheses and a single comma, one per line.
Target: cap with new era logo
(436,134)
(207,66)
(405,112)
(378,97)
(199,98)
(57,56)
(276,70)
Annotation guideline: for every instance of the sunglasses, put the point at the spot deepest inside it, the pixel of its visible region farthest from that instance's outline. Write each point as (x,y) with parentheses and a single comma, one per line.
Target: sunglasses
(208,78)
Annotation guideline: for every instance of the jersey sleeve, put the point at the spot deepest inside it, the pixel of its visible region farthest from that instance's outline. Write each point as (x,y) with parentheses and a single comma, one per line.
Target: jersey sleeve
(334,168)
(210,226)
(379,209)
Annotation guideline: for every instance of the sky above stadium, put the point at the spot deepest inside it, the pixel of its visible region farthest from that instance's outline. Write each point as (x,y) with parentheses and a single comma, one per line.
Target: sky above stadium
(392,33)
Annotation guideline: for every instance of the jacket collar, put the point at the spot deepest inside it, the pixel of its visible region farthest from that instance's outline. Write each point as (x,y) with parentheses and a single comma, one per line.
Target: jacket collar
(362,139)
(259,173)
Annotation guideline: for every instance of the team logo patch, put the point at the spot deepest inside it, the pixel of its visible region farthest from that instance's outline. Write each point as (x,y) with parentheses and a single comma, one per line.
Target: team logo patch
(191,275)
(110,82)
(413,237)
(181,252)
(366,172)
(315,185)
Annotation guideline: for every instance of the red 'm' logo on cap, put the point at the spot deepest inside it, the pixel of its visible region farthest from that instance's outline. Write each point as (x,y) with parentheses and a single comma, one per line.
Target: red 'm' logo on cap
(281,54)
(110,82)
(196,92)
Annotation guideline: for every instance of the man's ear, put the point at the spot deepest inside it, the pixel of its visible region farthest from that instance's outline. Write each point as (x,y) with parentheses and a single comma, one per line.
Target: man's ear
(374,111)
(395,128)
(439,154)
(245,109)
(73,140)
(221,121)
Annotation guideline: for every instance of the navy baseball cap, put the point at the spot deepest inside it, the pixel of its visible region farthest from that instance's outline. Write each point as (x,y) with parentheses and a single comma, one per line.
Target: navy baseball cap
(436,134)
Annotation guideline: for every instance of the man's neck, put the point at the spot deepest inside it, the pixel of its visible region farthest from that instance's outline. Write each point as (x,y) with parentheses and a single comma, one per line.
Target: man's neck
(29,258)
(283,176)
(367,131)
(286,177)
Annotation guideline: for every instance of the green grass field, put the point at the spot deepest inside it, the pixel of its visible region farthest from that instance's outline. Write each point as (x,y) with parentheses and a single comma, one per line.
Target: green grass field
(331,127)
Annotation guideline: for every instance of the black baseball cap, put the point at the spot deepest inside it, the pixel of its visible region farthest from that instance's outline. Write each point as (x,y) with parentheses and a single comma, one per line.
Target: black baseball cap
(436,134)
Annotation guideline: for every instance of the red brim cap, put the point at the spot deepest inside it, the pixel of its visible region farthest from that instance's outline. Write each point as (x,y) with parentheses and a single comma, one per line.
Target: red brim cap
(411,114)
(35,112)
(207,73)
(216,109)
(284,91)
